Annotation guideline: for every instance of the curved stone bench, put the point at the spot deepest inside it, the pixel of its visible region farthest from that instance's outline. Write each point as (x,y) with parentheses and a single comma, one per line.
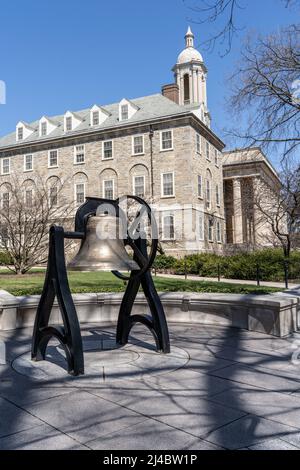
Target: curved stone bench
(275,314)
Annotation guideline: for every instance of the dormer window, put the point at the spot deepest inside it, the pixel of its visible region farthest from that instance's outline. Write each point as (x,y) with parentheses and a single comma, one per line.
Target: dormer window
(124,112)
(43,129)
(20,133)
(68,123)
(96,118)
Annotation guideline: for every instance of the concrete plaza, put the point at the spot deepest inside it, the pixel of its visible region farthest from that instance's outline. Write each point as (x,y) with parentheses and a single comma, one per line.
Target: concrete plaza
(221,388)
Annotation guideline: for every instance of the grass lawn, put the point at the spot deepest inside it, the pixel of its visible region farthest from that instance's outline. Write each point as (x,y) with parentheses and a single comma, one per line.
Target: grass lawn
(32,283)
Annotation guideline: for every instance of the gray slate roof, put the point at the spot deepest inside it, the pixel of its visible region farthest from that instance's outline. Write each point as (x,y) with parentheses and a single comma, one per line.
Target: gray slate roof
(150,107)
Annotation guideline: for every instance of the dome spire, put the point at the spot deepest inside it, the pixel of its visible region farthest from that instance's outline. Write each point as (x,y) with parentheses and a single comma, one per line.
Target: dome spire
(189,38)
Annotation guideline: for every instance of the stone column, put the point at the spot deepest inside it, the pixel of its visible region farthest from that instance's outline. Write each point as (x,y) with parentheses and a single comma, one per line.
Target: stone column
(237,210)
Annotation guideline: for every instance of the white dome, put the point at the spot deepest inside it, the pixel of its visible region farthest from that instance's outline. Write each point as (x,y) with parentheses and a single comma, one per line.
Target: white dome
(189,54)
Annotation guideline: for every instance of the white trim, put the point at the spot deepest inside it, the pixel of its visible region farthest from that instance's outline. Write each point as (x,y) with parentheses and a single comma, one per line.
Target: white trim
(163,227)
(171,148)
(75,192)
(162,184)
(75,154)
(213,227)
(24,162)
(112,149)
(207,145)
(218,223)
(2,160)
(132,144)
(103,187)
(200,196)
(133,183)
(52,166)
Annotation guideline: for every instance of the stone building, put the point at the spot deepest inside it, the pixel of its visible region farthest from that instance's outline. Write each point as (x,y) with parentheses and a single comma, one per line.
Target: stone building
(247,176)
(160,147)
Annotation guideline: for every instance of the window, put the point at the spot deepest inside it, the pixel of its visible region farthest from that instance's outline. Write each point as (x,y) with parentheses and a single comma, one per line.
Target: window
(207,151)
(198,143)
(167,184)
(4,237)
(107,149)
(53,196)
(166,140)
(44,128)
(219,233)
(186,83)
(218,195)
(216,157)
(108,189)
(69,123)
(20,133)
(5,166)
(139,186)
(124,112)
(208,194)
(95,118)
(79,154)
(28,162)
(168,227)
(53,158)
(79,193)
(5,201)
(138,145)
(28,197)
(200,186)
(210,230)
(201,226)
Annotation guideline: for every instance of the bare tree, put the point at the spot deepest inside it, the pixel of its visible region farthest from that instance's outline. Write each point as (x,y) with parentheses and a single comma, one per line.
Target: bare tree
(279,211)
(27,211)
(224,15)
(267,86)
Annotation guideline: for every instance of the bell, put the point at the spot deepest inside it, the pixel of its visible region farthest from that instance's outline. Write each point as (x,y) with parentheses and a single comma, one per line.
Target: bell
(102,249)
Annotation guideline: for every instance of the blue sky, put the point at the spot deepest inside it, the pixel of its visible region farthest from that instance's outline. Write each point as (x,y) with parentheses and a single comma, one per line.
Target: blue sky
(60,55)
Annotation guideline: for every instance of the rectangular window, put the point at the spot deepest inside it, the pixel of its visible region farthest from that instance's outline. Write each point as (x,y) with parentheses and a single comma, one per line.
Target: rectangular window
(208,194)
(167,184)
(79,153)
(28,162)
(69,123)
(124,112)
(138,145)
(79,193)
(139,186)
(166,142)
(198,143)
(44,128)
(207,151)
(216,157)
(218,195)
(219,233)
(20,133)
(53,158)
(107,149)
(168,227)
(53,196)
(200,186)
(28,197)
(210,230)
(5,166)
(201,226)
(108,189)
(5,201)
(95,118)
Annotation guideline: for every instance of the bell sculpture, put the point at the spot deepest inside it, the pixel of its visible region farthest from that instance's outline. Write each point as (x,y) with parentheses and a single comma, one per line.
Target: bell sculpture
(102,249)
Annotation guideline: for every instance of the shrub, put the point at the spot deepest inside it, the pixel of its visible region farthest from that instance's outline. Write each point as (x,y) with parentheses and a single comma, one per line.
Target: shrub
(5,258)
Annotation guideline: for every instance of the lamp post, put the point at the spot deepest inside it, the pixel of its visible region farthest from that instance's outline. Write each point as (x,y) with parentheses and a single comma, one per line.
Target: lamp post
(98,224)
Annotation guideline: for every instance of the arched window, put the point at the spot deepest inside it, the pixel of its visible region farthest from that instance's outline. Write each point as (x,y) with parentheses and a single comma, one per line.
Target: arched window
(186,83)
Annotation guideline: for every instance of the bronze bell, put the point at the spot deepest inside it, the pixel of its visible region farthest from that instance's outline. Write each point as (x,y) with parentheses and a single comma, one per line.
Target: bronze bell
(102,249)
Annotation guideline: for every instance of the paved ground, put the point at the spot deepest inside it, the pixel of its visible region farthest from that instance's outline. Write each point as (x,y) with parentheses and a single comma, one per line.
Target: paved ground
(232,281)
(220,389)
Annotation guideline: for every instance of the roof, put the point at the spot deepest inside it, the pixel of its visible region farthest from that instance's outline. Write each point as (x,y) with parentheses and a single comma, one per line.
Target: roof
(149,107)
(247,155)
